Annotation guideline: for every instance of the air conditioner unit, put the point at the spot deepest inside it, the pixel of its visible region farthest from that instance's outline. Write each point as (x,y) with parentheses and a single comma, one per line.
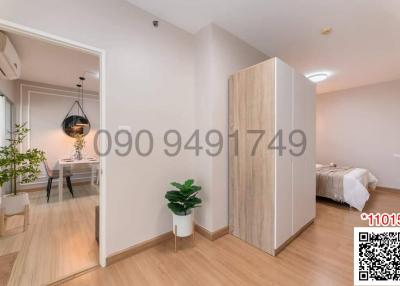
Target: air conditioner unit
(10,65)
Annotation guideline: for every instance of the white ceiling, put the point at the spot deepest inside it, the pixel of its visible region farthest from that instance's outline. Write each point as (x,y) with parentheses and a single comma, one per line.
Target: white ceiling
(52,64)
(364,47)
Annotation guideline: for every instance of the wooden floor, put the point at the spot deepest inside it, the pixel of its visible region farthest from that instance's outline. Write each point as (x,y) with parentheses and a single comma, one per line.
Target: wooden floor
(60,239)
(322,255)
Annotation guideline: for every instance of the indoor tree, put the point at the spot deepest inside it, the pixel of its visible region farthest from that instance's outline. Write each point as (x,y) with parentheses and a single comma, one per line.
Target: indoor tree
(14,164)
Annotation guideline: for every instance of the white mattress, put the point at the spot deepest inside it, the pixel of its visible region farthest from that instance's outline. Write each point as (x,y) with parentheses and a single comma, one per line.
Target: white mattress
(355,187)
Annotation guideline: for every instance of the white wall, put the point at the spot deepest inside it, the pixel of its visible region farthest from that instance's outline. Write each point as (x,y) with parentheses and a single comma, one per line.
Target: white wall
(149,84)
(203,107)
(360,127)
(218,55)
(44,107)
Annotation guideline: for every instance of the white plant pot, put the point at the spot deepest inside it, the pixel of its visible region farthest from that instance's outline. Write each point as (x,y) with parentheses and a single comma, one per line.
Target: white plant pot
(183,224)
(14,204)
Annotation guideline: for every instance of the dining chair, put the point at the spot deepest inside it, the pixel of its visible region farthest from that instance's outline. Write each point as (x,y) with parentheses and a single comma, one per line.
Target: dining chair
(55,174)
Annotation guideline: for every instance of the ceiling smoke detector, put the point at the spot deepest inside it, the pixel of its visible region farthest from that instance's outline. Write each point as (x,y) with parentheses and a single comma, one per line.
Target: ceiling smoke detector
(326,31)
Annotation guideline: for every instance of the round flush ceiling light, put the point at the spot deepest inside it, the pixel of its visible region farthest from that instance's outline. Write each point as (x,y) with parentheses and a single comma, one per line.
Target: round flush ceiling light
(318,77)
(326,31)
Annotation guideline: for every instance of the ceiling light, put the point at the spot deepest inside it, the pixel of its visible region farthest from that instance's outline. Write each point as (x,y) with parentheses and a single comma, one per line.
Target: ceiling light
(318,77)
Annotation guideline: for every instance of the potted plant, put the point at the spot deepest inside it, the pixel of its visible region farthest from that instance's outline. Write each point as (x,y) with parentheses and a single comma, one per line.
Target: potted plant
(181,202)
(14,164)
(78,146)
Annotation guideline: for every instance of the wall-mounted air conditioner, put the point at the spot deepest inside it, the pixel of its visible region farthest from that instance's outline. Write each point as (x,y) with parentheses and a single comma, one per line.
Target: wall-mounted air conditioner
(10,65)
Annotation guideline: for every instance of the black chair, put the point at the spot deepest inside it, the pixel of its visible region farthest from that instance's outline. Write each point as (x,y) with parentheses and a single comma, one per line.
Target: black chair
(55,174)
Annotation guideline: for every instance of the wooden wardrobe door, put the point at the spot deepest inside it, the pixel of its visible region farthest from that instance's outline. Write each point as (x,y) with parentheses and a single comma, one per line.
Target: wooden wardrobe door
(251,178)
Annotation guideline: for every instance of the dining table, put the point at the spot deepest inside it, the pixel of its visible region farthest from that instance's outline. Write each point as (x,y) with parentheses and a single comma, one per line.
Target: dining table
(68,162)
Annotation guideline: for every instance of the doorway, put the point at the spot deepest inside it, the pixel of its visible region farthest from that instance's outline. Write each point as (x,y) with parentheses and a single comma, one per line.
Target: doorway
(59,212)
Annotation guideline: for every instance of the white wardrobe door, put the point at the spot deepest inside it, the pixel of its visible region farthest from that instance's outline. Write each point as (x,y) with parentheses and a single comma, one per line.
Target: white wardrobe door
(304,193)
(283,162)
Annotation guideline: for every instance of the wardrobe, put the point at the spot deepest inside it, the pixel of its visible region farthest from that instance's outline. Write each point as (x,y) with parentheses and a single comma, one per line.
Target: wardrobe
(272,192)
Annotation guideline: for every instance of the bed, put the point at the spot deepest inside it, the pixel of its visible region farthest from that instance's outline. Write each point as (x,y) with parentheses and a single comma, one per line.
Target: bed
(345,184)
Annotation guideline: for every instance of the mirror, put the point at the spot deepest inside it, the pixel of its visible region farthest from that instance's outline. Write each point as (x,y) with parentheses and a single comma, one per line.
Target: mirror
(76,125)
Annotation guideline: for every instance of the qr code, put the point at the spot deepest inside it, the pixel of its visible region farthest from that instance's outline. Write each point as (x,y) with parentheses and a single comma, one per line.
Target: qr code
(377,256)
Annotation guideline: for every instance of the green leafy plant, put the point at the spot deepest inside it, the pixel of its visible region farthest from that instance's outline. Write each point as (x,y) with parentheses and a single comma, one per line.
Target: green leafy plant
(184,199)
(14,164)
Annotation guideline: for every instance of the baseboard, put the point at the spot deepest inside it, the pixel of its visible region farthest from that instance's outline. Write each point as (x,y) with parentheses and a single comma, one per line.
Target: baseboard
(73,276)
(138,248)
(293,237)
(53,187)
(117,256)
(389,189)
(212,235)
(42,185)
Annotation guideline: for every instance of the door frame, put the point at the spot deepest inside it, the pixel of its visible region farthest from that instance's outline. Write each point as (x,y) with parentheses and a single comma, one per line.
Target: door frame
(61,41)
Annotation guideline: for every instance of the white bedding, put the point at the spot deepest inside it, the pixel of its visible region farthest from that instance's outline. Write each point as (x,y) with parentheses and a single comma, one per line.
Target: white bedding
(355,187)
